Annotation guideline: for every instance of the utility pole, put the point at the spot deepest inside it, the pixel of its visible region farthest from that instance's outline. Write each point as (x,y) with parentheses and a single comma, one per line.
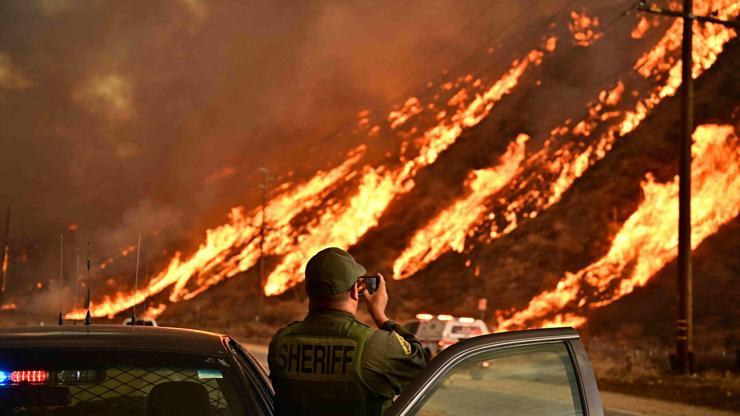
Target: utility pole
(685,319)
(5,257)
(263,229)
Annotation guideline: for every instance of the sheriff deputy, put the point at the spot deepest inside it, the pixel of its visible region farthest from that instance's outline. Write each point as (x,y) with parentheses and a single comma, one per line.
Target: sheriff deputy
(332,364)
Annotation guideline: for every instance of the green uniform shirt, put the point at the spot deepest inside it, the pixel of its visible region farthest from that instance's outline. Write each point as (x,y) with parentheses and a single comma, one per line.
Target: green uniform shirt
(377,364)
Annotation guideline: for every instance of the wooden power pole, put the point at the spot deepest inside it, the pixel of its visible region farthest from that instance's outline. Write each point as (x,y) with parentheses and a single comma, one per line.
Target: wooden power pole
(685,320)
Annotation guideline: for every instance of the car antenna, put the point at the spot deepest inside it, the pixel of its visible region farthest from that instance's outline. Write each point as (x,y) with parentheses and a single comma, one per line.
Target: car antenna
(61,266)
(146,270)
(88,317)
(77,284)
(136,282)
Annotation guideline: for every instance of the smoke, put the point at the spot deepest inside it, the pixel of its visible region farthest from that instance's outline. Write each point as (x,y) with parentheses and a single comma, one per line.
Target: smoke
(121,117)
(160,226)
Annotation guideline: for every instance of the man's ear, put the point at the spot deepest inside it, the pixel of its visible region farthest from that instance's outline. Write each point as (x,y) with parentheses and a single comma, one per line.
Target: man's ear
(353,293)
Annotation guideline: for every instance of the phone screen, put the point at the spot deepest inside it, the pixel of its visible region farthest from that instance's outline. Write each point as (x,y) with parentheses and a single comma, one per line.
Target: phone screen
(368,282)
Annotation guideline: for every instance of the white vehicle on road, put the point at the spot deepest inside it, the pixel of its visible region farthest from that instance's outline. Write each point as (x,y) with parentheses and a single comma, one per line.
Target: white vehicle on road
(439,332)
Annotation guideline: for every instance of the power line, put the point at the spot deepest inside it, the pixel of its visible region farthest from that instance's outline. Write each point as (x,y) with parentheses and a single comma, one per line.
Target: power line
(445,46)
(411,91)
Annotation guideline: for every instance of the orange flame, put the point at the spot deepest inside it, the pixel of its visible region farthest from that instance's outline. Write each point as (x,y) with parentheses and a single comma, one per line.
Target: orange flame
(583,28)
(410,108)
(234,247)
(343,224)
(648,239)
(548,174)
(126,251)
(572,160)
(154,311)
(448,230)
(641,28)
(6,263)
(7,307)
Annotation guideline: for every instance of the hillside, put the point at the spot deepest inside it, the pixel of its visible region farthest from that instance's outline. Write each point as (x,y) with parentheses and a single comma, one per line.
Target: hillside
(567,237)
(536,173)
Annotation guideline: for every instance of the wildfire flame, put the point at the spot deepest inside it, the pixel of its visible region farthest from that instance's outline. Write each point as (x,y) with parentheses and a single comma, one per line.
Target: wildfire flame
(349,221)
(648,239)
(448,230)
(4,266)
(641,28)
(410,108)
(539,181)
(234,247)
(583,28)
(549,173)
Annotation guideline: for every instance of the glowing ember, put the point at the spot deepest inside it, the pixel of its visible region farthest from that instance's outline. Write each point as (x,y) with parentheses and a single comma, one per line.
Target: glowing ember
(7,307)
(551,43)
(126,251)
(642,26)
(448,230)
(154,311)
(648,239)
(583,28)
(410,108)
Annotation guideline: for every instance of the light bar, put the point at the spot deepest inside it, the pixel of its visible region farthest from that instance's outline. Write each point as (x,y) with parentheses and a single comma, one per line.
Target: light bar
(80,376)
(424,316)
(444,317)
(466,320)
(4,376)
(29,376)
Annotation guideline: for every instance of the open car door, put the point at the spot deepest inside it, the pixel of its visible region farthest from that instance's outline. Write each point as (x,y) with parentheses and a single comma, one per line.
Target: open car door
(534,373)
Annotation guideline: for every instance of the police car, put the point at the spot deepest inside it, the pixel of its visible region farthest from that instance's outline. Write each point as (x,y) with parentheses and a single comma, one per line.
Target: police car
(438,333)
(128,370)
(136,370)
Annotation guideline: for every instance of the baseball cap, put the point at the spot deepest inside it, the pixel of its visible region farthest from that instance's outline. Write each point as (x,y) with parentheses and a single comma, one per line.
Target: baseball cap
(331,271)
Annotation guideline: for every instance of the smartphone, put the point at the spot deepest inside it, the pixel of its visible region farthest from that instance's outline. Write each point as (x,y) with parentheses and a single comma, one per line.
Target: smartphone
(370,283)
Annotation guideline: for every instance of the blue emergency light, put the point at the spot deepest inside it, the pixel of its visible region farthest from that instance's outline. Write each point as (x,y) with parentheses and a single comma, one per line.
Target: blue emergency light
(4,376)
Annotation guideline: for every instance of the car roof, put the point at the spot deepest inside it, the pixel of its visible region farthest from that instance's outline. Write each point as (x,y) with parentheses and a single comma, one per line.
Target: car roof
(120,337)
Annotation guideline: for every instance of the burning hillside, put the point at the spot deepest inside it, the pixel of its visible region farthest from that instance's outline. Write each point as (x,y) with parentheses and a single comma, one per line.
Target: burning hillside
(648,239)
(343,205)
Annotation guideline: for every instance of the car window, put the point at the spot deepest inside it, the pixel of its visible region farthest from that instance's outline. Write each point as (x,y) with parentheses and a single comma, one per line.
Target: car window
(59,382)
(537,380)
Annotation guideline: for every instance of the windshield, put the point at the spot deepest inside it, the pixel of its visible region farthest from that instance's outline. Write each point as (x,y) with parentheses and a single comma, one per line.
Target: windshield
(59,382)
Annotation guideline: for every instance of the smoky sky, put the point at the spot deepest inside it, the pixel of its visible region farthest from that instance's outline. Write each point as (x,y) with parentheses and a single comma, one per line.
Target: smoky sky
(153,116)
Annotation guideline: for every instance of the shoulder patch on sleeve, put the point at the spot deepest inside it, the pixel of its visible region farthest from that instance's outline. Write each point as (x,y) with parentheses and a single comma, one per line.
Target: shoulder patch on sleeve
(404,344)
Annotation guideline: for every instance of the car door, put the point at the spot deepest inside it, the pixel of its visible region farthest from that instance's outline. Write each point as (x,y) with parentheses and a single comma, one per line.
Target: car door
(261,391)
(542,372)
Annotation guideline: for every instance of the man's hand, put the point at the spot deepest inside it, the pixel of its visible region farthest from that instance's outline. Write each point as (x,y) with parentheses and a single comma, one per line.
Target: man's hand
(377,302)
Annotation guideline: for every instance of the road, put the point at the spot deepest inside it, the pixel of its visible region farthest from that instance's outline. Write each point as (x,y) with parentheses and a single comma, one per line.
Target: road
(615,404)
